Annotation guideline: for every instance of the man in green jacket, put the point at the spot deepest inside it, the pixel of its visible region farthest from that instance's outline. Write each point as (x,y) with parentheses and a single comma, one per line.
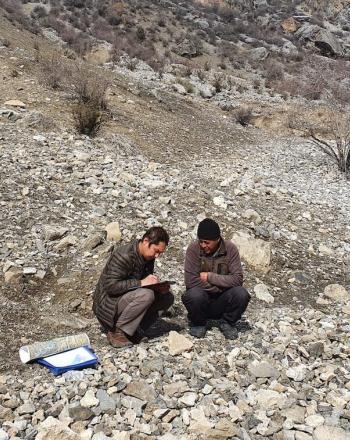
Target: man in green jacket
(213,278)
(124,299)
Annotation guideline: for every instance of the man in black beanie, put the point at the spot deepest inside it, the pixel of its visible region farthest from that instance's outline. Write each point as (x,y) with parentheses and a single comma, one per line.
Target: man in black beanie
(213,278)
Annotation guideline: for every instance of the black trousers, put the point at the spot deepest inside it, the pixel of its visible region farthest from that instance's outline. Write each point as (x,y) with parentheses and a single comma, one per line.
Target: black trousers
(202,305)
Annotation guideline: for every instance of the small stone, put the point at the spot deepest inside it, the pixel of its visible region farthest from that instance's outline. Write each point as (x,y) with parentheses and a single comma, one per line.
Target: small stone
(53,429)
(263,369)
(141,390)
(220,201)
(297,373)
(178,344)
(188,399)
(107,404)
(262,292)
(89,400)
(92,242)
(78,412)
(330,433)
(3,435)
(26,408)
(15,103)
(29,270)
(336,292)
(315,349)
(175,388)
(53,232)
(66,242)
(314,420)
(252,215)
(13,275)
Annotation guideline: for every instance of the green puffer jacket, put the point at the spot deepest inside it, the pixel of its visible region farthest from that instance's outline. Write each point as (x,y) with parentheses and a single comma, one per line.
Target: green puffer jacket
(124,271)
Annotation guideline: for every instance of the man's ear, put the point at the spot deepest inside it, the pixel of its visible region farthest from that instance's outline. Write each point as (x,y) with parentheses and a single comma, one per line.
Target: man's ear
(146,241)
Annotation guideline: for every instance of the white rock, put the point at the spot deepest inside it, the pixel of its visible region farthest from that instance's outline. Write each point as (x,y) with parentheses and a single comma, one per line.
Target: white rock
(268,399)
(255,252)
(3,435)
(314,420)
(53,429)
(82,156)
(232,356)
(121,435)
(89,400)
(336,292)
(297,373)
(235,413)
(29,270)
(188,399)
(113,232)
(262,292)
(330,433)
(220,201)
(252,215)
(177,343)
(15,103)
(325,250)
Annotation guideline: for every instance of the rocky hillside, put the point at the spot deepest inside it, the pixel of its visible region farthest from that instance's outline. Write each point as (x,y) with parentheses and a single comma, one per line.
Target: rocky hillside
(175,145)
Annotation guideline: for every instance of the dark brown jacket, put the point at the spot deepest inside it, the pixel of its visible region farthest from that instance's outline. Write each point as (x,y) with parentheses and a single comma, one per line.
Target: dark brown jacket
(124,271)
(224,267)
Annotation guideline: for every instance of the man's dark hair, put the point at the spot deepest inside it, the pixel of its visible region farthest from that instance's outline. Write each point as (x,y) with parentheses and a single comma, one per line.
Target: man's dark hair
(156,234)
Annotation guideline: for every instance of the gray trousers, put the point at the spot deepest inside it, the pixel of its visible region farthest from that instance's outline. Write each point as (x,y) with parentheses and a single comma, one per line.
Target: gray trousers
(140,307)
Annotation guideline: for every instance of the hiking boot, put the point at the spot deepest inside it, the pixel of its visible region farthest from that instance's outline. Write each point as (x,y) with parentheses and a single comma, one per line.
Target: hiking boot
(198,331)
(117,339)
(228,330)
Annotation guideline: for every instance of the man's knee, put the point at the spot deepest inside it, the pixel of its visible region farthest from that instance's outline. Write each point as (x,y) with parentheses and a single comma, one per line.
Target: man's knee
(194,296)
(240,295)
(145,295)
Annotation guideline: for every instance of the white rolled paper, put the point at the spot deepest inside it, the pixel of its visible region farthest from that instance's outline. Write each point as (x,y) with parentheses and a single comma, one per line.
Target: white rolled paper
(47,348)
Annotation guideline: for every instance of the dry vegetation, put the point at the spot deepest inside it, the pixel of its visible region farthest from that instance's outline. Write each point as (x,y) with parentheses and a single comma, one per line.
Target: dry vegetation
(163,34)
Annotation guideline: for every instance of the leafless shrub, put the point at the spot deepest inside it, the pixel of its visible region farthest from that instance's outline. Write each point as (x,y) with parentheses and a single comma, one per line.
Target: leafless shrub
(87,118)
(90,91)
(201,74)
(140,33)
(52,72)
(243,116)
(5,42)
(207,66)
(218,82)
(14,73)
(273,70)
(88,87)
(331,135)
(189,87)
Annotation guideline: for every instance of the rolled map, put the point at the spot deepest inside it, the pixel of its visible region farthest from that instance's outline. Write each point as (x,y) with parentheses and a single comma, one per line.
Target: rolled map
(47,348)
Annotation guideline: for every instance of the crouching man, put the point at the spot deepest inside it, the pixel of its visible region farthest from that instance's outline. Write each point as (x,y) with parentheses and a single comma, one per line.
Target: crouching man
(124,300)
(213,278)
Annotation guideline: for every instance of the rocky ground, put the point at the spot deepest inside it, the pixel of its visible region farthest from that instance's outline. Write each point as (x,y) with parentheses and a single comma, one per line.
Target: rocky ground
(170,160)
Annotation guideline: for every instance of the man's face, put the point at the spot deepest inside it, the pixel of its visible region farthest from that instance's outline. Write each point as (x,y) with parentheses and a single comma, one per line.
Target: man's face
(152,251)
(209,246)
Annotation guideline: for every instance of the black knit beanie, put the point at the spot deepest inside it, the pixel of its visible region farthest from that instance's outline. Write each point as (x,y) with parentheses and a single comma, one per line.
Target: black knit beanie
(208,229)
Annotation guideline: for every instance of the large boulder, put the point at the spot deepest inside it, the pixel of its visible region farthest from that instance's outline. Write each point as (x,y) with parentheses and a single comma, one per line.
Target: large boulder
(256,252)
(323,39)
(187,48)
